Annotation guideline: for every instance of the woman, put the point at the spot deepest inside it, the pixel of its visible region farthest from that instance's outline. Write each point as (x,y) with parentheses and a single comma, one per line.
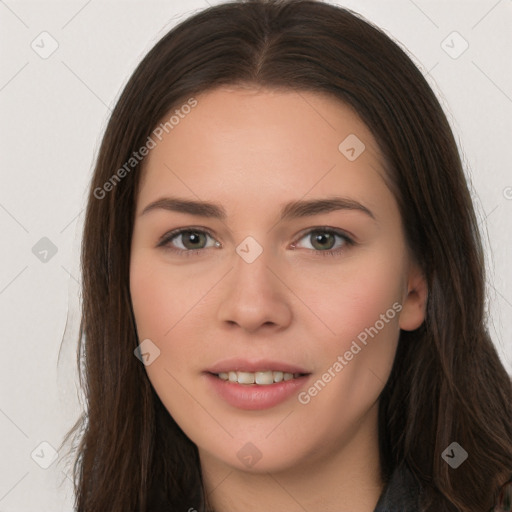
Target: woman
(267,375)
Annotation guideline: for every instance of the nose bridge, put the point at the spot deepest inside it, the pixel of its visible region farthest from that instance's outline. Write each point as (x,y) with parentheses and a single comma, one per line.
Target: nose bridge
(251,268)
(253,295)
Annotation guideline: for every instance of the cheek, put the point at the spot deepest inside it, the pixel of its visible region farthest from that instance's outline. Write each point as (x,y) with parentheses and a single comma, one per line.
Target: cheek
(360,303)
(161,302)
(162,295)
(150,299)
(168,303)
(362,294)
(371,303)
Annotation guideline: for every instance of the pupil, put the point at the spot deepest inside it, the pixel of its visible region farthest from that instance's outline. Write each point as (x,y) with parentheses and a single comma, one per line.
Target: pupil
(322,239)
(193,237)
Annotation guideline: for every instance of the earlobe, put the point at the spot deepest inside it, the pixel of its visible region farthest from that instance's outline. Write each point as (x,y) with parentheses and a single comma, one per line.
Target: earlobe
(414,305)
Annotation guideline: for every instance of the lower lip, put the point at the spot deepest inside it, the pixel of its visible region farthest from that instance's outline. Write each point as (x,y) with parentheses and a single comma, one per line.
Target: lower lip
(253,397)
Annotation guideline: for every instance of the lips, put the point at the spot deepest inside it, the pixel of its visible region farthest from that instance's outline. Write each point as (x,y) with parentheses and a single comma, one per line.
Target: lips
(232,381)
(253,396)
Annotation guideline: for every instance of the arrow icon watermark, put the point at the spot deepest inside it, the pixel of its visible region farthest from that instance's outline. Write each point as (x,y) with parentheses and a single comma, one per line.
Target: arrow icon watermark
(351,147)
(147,352)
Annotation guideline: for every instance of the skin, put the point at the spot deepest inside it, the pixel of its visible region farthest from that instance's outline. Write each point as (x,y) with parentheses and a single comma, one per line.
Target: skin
(252,150)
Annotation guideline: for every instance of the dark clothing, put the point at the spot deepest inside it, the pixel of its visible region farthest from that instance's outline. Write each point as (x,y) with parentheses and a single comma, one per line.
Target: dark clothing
(401,494)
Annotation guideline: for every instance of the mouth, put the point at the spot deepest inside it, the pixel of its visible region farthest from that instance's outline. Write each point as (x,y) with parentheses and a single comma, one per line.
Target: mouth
(259,378)
(255,390)
(254,384)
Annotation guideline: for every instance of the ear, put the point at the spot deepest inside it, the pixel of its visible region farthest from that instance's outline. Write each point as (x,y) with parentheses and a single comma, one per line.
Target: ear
(414,305)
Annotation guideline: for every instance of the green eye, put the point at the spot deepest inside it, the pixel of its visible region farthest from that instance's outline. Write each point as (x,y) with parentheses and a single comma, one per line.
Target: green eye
(190,241)
(323,241)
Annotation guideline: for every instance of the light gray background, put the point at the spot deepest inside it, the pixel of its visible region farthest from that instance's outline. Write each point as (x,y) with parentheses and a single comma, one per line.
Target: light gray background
(53,112)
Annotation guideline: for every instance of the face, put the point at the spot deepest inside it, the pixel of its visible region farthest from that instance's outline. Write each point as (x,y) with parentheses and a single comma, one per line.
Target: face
(297,275)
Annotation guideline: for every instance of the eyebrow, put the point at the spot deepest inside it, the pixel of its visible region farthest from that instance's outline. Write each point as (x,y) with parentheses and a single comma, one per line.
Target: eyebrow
(291,210)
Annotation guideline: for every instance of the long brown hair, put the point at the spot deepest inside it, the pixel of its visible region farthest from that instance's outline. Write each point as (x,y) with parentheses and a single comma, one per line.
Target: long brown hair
(447,382)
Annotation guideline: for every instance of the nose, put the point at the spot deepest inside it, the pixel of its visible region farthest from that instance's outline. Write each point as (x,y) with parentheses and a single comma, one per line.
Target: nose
(254,296)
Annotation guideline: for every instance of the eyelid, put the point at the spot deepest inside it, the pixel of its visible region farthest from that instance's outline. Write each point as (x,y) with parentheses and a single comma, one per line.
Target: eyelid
(174,233)
(327,229)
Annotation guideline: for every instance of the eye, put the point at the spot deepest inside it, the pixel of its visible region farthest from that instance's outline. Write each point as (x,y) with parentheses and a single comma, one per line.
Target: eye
(186,240)
(323,241)
(191,241)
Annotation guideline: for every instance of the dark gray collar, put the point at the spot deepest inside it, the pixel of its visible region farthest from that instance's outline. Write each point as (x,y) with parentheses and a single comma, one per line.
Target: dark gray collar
(401,494)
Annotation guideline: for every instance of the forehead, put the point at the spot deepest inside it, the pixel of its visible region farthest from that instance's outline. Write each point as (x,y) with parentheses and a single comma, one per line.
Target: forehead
(262,144)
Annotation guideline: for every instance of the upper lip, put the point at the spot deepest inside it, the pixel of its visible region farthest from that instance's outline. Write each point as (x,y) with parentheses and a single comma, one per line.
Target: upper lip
(255,365)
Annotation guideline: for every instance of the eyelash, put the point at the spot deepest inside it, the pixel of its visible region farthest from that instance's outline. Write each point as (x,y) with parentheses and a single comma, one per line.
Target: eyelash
(168,237)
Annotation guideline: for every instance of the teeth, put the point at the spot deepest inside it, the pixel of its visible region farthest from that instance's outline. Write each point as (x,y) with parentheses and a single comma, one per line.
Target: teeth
(278,376)
(262,378)
(245,378)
